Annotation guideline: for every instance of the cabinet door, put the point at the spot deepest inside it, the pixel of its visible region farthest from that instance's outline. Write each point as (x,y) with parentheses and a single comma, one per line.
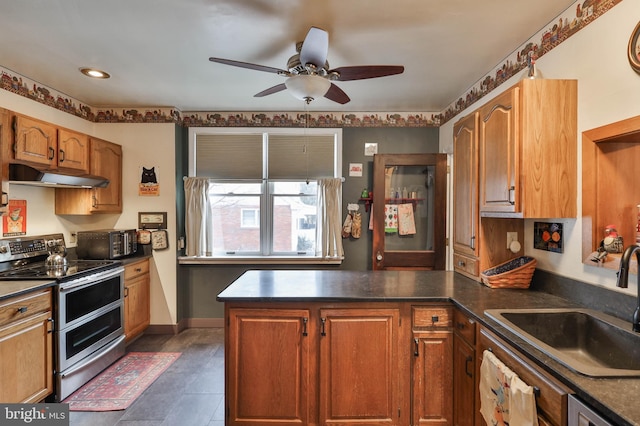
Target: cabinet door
(137,313)
(465,186)
(359,367)
(499,153)
(106,161)
(26,359)
(415,237)
(5,146)
(464,362)
(35,142)
(73,151)
(268,367)
(433,378)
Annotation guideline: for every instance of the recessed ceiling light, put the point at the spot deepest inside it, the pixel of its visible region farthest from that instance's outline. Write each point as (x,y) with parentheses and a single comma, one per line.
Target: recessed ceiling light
(94,73)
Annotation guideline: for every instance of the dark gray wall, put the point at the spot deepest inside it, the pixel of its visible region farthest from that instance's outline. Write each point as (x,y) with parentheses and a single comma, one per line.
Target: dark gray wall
(198,285)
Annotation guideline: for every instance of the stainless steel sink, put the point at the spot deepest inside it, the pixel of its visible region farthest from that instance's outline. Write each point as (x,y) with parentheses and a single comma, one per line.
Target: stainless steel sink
(586,341)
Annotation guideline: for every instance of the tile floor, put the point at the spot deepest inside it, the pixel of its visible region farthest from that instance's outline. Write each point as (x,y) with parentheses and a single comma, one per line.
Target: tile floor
(189,393)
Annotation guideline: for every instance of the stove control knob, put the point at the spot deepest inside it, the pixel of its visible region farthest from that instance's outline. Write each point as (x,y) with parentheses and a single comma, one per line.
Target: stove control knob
(3,249)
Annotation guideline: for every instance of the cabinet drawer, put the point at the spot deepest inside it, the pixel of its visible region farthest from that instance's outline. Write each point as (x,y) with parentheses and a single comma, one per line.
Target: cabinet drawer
(135,269)
(465,327)
(19,307)
(552,399)
(432,316)
(465,264)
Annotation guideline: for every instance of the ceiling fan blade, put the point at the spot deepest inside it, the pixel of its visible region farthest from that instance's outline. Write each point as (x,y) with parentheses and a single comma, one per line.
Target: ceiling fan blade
(315,47)
(249,66)
(337,95)
(361,72)
(271,90)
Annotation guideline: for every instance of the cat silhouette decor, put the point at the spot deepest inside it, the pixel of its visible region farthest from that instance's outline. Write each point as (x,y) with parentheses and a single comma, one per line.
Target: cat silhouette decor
(148,182)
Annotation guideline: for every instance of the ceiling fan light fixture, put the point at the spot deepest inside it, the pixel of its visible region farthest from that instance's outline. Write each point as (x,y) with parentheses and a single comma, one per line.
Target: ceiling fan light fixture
(307,87)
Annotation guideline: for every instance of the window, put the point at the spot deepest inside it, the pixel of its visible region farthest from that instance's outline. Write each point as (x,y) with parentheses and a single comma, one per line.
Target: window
(263,193)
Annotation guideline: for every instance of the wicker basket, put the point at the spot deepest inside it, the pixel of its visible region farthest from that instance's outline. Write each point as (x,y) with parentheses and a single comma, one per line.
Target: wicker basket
(515,273)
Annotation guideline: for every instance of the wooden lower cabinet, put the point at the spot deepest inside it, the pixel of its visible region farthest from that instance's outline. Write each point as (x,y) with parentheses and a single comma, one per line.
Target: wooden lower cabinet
(552,396)
(370,363)
(359,376)
(26,348)
(137,299)
(432,375)
(268,366)
(464,371)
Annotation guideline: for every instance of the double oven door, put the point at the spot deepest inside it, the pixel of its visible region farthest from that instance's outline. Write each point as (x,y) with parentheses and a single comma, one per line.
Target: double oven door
(89,315)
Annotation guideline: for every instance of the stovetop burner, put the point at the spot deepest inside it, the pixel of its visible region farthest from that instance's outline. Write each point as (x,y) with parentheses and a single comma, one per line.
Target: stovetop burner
(39,270)
(23,258)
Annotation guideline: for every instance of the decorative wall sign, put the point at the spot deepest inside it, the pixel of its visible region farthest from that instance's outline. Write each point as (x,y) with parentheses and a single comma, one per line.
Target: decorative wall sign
(370,149)
(355,169)
(149,185)
(633,51)
(548,236)
(15,221)
(152,220)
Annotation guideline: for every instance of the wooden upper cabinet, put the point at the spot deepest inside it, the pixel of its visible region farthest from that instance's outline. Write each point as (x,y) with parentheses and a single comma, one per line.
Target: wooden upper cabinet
(465,184)
(528,151)
(73,151)
(48,147)
(35,142)
(499,153)
(106,161)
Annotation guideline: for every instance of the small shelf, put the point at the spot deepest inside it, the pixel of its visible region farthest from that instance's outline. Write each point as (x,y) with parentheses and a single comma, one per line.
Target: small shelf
(369,201)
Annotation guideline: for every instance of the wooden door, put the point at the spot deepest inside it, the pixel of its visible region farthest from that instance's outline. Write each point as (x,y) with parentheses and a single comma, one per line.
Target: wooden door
(268,372)
(433,378)
(422,243)
(466,235)
(106,161)
(35,142)
(73,151)
(464,364)
(360,373)
(499,155)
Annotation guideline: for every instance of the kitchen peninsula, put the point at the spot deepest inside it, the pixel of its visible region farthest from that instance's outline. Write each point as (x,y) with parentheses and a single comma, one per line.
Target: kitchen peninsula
(354,347)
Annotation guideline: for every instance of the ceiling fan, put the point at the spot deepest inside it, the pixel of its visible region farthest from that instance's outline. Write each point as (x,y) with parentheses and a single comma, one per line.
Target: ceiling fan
(308,73)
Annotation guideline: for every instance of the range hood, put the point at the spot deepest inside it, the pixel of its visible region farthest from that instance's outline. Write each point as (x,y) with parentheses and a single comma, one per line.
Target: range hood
(26,175)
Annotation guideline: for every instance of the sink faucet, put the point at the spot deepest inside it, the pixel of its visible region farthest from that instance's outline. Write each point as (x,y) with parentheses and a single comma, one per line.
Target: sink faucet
(623,279)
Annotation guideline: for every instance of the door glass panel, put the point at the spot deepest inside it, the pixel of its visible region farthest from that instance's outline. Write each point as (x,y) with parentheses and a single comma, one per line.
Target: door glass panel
(410,197)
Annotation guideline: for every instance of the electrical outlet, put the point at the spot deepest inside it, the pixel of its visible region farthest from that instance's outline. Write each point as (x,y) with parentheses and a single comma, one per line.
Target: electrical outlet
(73,238)
(511,236)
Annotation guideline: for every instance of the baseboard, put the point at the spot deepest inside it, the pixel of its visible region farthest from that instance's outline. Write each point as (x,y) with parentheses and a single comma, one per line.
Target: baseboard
(183,324)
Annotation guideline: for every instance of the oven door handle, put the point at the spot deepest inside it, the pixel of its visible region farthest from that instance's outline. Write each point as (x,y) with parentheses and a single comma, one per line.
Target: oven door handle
(90,279)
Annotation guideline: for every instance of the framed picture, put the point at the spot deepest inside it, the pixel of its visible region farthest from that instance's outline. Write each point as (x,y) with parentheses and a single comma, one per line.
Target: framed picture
(633,52)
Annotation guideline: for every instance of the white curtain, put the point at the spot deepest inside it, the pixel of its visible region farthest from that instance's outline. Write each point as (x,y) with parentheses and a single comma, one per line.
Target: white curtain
(198,220)
(330,229)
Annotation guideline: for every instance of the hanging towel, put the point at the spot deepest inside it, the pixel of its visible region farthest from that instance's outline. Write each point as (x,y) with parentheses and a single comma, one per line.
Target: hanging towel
(391,218)
(504,398)
(406,222)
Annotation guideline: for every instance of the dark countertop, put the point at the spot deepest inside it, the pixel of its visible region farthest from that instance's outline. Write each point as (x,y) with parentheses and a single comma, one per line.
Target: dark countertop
(616,398)
(10,288)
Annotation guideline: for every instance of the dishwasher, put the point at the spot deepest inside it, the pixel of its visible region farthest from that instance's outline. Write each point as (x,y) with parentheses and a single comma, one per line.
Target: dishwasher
(581,415)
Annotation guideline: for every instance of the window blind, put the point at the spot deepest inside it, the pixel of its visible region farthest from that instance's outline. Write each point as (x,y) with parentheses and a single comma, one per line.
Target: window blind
(224,156)
(301,156)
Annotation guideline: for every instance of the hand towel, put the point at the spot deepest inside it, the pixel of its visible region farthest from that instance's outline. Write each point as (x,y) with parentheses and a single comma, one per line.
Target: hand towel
(406,222)
(504,398)
(391,218)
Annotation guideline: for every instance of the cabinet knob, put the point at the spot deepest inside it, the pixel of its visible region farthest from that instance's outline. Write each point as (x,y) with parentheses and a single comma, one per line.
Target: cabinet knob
(379,257)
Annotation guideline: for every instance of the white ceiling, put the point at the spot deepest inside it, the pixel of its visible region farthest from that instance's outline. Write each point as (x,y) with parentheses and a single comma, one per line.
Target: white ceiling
(157,51)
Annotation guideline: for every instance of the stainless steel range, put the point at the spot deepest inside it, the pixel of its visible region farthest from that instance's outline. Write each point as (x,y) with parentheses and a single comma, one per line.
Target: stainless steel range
(88,305)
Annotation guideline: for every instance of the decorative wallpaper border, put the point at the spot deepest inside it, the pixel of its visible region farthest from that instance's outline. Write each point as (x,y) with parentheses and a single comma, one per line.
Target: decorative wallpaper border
(572,20)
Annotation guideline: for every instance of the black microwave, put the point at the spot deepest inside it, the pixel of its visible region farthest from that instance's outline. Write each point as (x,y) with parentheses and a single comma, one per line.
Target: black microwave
(106,243)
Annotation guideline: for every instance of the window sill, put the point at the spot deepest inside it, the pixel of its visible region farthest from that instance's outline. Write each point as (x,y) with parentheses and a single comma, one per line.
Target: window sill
(247,260)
